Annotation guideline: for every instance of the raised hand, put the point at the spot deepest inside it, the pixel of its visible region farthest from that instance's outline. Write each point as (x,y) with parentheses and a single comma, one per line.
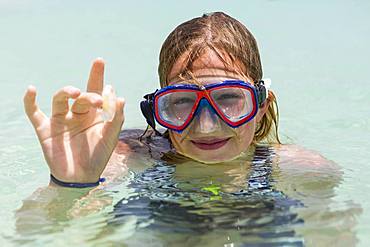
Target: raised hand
(76,142)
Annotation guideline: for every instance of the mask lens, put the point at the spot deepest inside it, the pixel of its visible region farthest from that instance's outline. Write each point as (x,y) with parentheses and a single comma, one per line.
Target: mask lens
(174,108)
(235,103)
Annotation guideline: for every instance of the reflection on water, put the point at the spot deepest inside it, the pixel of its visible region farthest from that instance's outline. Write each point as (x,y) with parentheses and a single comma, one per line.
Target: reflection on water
(253,201)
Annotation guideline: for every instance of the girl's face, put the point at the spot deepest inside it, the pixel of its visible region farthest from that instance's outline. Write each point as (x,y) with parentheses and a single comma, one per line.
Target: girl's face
(208,138)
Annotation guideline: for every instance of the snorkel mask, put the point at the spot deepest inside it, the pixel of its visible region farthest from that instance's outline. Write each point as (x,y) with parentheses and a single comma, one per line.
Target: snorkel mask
(236,102)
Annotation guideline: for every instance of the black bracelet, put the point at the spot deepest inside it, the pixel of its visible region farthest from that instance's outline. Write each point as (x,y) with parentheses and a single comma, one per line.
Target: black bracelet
(75,185)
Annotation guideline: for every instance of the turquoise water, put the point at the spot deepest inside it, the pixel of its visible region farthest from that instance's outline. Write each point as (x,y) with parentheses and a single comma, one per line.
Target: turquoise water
(316,53)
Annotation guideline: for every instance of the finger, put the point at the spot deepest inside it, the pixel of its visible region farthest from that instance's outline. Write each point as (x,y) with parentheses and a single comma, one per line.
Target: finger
(60,100)
(33,112)
(96,78)
(111,129)
(85,102)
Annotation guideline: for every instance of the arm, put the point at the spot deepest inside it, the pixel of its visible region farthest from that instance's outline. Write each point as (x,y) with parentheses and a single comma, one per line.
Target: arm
(77,146)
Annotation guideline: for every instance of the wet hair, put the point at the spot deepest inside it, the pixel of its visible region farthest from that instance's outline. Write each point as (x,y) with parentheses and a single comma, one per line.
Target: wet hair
(233,43)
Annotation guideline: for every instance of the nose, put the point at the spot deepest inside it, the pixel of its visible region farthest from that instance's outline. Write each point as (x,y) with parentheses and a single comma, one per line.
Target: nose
(208,121)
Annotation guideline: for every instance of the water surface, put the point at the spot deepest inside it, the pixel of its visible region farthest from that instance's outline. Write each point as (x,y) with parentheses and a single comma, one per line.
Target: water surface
(315,52)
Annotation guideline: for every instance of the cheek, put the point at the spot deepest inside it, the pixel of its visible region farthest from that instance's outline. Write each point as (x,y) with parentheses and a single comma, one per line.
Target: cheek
(176,139)
(245,133)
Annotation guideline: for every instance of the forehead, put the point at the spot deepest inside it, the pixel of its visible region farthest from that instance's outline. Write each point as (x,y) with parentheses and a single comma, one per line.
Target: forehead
(208,65)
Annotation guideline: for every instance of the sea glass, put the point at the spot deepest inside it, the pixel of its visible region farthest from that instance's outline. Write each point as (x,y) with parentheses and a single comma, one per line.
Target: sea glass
(109,103)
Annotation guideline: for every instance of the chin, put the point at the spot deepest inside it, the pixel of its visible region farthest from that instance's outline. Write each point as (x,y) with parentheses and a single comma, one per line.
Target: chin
(210,158)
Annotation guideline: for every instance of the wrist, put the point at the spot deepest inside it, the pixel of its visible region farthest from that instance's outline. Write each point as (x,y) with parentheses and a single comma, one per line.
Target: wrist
(58,182)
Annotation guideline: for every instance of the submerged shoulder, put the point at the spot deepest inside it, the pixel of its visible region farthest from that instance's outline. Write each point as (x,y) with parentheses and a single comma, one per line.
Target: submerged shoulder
(305,174)
(290,155)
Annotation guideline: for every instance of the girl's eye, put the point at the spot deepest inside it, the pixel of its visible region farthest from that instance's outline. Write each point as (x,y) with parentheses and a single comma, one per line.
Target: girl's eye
(182,101)
(228,96)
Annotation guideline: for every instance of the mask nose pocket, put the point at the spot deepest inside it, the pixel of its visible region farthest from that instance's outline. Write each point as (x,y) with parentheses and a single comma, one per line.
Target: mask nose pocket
(207,120)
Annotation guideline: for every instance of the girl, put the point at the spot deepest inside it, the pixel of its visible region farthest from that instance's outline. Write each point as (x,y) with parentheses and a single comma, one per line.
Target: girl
(217,109)
(213,102)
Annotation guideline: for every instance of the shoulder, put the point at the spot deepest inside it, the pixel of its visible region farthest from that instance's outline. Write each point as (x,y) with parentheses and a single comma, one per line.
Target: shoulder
(133,141)
(295,156)
(133,150)
(305,174)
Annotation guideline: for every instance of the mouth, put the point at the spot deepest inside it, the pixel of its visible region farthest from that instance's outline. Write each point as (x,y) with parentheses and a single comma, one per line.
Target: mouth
(210,144)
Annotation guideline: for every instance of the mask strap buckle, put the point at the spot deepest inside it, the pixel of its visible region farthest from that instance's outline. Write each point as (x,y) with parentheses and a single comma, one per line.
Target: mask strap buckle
(262,88)
(147,109)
